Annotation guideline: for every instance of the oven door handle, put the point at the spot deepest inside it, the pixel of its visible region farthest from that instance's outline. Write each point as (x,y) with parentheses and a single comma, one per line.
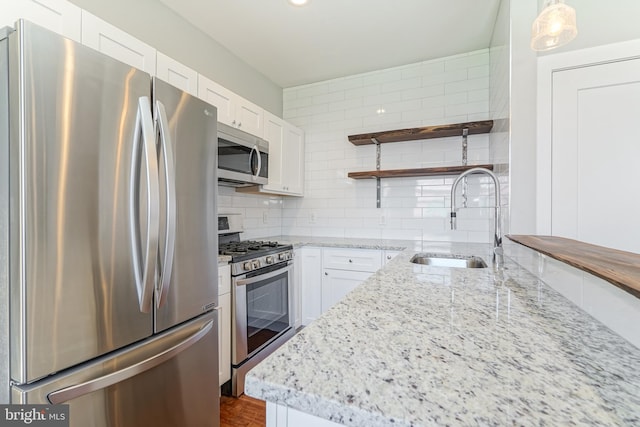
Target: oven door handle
(260,277)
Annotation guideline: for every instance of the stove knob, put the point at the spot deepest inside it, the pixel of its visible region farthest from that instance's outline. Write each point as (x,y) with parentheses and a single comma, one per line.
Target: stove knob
(256,264)
(269,260)
(281,256)
(246,266)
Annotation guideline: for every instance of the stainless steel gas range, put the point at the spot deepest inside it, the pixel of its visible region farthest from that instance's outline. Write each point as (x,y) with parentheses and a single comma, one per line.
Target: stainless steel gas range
(262,306)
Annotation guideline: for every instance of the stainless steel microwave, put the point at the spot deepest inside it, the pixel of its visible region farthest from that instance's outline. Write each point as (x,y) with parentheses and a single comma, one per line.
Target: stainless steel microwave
(243,159)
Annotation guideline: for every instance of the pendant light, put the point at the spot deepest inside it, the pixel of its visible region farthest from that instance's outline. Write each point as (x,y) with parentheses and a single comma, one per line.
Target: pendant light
(554,27)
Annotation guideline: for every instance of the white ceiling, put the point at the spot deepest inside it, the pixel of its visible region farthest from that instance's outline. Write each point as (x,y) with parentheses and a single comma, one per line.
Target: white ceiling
(335,38)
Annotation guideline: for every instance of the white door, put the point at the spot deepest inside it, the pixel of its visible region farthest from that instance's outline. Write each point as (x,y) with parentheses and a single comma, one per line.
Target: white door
(594,152)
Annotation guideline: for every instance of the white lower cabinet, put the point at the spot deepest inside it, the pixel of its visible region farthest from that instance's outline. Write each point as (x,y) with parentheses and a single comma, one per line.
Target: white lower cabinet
(297,285)
(329,274)
(283,416)
(336,284)
(310,284)
(344,269)
(224,323)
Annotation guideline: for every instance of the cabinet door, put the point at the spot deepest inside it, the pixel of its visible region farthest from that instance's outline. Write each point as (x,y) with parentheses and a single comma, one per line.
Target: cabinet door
(336,284)
(177,74)
(352,259)
(220,97)
(249,117)
(293,160)
(112,41)
(311,284)
(59,16)
(224,323)
(274,130)
(297,285)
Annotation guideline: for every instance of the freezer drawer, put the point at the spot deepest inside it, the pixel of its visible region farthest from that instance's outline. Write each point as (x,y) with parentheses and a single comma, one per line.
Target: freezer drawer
(166,381)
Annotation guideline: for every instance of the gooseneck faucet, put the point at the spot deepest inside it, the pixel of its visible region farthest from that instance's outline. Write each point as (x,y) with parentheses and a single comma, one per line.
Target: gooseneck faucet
(497,234)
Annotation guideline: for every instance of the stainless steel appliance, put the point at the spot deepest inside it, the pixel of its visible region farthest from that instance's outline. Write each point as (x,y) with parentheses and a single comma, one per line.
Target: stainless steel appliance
(107,194)
(243,159)
(262,318)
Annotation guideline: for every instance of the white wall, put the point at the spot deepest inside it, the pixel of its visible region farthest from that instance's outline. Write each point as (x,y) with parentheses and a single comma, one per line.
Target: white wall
(499,104)
(523,83)
(157,25)
(446,90)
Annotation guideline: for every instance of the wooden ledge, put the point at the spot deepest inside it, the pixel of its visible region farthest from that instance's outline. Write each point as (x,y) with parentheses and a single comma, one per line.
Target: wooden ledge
(617,267)
(406,173)
(427,132)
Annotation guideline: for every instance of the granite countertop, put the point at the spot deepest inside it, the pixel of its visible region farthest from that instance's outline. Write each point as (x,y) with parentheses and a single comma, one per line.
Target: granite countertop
(224,259)
(422,346)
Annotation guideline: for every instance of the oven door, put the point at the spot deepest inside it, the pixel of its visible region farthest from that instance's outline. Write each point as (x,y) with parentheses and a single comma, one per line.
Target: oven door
(263,309)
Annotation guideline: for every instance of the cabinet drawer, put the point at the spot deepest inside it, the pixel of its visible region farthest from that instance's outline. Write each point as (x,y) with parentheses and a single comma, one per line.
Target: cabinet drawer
(352,259)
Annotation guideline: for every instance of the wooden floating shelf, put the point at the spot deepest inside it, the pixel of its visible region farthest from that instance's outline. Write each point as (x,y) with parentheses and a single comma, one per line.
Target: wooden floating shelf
(406,173)
(427,132)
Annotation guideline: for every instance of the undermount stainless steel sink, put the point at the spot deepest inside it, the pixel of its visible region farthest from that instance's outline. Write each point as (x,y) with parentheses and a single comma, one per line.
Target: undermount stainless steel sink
(449,260)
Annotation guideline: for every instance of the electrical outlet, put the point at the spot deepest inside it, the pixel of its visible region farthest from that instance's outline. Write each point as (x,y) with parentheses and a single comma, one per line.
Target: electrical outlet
(312,218)
(265,218)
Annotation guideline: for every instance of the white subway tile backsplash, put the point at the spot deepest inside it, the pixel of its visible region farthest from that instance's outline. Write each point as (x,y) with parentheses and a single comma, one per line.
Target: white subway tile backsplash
(345,84)
(445,90)
(467,85)
(400,85)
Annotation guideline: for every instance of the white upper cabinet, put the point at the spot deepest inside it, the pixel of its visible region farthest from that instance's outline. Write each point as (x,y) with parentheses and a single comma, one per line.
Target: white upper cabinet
(219,96)
(59,16)
(249,117)
(114,42)
(274,130)
(233,110)
(293,160)
(176,74)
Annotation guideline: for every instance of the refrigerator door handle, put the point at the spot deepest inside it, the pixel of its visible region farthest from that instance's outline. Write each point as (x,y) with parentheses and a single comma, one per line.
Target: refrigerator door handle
(170,185)
(145,274)
(69,393)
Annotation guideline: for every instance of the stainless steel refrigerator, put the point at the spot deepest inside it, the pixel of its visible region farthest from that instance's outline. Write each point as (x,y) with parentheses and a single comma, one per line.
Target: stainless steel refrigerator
(108,238)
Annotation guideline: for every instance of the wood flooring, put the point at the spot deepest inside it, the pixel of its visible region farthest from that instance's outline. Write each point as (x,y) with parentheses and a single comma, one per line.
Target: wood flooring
(244,411)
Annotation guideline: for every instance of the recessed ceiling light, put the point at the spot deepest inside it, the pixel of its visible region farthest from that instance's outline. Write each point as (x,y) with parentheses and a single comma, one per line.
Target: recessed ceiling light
(298,2)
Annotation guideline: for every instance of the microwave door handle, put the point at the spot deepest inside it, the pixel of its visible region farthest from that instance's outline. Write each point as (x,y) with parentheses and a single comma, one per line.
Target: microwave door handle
(256,174)
(72,392)
(144,132)
(170,200)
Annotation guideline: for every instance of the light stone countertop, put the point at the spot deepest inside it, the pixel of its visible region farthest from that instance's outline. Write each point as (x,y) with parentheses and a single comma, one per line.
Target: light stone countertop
(224,259)
(431,346)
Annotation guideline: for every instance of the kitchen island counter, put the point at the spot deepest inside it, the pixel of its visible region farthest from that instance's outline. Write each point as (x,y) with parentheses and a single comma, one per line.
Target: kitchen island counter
(417,345)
